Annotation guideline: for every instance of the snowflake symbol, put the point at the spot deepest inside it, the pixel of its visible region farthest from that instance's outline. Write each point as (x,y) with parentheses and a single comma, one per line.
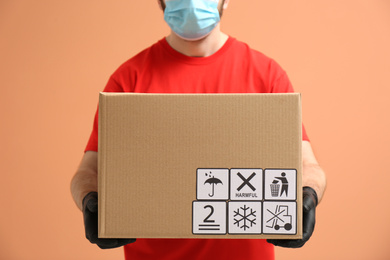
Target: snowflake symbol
(245,217)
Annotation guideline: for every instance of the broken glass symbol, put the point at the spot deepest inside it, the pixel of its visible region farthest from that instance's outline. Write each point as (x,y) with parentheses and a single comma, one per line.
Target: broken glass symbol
(245,217)
(279,220)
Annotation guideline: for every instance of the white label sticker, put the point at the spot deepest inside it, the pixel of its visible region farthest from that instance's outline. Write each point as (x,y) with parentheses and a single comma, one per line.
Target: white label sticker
(244,217)
(212,184)
(280,184)
(246,184)
(209,217)
(280,218)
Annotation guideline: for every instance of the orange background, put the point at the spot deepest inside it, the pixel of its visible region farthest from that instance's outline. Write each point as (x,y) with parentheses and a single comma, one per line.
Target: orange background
(55,56)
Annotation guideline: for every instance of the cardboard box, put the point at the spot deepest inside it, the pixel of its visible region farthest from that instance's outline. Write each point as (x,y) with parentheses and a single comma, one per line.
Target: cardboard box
(200,166)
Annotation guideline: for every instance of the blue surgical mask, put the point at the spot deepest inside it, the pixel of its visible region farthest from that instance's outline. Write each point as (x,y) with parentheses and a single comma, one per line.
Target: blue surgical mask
(192,19)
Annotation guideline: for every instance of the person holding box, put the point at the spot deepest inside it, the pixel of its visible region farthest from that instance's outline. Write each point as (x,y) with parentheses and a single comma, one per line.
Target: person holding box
(196,57)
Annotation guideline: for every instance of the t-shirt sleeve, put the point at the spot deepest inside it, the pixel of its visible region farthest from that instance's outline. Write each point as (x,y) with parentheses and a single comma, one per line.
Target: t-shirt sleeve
(92,145)
(283,85)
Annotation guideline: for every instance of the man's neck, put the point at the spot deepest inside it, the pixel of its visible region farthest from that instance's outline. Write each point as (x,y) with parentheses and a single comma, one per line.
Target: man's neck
(201,48)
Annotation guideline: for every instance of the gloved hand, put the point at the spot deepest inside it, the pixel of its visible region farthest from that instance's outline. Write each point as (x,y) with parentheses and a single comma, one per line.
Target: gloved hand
(310,202)
(90,212)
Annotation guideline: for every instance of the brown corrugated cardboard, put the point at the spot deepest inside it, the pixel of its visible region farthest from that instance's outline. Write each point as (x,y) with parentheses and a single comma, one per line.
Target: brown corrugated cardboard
(200,166)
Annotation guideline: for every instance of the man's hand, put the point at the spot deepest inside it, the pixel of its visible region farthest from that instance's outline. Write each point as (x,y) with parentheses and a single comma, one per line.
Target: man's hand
(90,212)
(310,202)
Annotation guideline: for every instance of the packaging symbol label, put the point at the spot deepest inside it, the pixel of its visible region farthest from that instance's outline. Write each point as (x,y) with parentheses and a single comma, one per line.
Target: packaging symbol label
(209,217)
(279,217)
(212,184)
(244,217)
(245,202)
(246,184)
(280,184)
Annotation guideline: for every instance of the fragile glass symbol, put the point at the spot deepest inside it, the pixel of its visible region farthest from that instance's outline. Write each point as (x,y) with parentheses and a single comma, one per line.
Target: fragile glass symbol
(277,217)
(212,181)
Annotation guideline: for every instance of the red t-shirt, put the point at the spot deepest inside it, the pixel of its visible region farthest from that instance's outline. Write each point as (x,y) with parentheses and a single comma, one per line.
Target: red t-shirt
(235,68)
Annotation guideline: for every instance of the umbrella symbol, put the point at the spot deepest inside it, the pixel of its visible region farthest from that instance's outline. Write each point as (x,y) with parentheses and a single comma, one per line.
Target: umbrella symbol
(212,181)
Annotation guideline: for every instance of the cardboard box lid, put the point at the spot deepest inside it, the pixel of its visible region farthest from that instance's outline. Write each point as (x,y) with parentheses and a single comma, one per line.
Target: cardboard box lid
(152,145)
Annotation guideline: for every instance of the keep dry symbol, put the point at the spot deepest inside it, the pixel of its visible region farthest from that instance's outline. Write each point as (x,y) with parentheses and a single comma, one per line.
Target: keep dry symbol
(212,181)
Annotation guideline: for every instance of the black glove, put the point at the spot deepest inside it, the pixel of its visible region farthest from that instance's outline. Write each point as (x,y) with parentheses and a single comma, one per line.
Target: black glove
(310,202)
(90,212)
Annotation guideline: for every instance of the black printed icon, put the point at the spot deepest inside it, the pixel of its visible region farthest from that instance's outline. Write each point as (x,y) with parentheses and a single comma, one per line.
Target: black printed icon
(275,186)
(212,181)
(246,184)
(209,217)
(246,181)
(280,218)
(209,224)
(212,184)
(245,217)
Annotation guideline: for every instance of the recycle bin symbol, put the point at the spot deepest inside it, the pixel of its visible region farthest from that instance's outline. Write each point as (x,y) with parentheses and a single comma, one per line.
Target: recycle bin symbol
(275,188)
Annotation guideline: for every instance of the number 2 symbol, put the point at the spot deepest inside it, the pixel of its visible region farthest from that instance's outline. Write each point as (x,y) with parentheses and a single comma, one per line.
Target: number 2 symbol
(207,220)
